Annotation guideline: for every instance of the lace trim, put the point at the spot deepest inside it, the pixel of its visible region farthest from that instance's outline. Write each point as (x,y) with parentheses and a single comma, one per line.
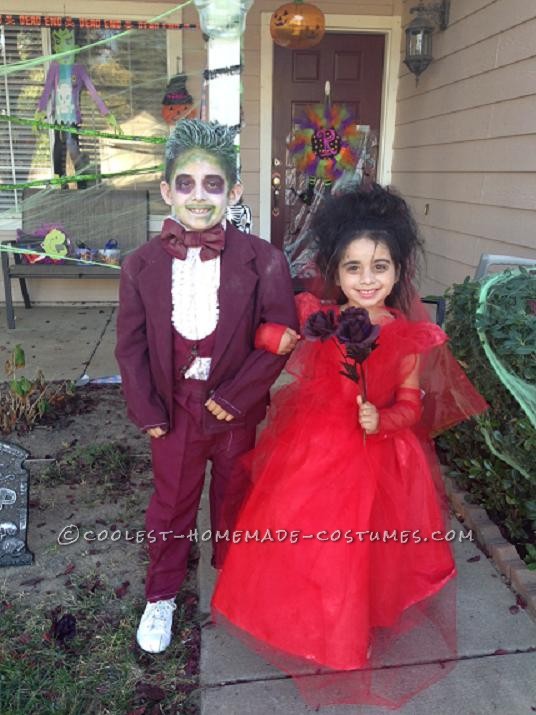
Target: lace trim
(194,294)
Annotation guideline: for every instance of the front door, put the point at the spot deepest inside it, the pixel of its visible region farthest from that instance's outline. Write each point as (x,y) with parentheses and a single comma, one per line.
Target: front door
(353,64)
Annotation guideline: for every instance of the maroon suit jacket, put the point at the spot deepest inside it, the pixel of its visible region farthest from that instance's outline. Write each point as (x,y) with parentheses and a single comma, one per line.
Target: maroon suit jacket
(255,287)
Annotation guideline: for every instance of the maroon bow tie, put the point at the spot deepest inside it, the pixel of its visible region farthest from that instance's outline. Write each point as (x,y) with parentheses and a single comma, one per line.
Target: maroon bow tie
(176,240)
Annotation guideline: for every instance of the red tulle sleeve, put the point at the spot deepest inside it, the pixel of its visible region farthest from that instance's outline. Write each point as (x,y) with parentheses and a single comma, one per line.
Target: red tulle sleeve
(268,337)
(405,412)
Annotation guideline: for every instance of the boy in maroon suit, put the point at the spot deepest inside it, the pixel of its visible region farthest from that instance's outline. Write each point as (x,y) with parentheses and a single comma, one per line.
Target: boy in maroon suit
(191,300)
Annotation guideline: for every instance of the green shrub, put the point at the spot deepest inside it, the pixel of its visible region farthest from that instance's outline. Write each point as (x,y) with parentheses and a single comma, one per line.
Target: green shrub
(492,456)
(24,402)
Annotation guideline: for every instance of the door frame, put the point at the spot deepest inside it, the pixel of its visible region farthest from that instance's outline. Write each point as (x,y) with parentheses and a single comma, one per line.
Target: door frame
(391,28)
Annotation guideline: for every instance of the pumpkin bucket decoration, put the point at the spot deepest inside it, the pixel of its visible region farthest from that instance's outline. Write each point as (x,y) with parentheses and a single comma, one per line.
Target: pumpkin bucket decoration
(177,102)
(297,25)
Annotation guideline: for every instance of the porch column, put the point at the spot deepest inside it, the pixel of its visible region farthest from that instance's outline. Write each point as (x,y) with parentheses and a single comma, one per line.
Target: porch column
(224,91)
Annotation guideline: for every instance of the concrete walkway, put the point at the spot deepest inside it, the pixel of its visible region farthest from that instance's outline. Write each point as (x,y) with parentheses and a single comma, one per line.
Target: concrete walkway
(71,342)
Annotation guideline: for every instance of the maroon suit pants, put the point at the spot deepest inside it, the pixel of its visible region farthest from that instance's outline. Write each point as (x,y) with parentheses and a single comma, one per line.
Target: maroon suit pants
(179,464)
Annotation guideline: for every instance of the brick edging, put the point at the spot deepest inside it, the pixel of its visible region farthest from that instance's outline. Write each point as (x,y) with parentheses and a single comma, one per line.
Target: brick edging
(503,554)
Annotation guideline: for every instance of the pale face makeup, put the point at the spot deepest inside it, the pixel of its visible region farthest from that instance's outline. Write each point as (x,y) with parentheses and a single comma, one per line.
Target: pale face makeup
(367,274)
(199,192)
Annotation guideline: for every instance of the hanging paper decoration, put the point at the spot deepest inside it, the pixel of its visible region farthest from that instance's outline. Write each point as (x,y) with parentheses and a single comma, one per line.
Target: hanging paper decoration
(326,141)
(87,23)
(222,18)
(177,102)
(297,25)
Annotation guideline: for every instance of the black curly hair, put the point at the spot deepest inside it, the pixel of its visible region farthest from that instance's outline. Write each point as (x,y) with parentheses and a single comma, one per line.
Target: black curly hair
(379,214)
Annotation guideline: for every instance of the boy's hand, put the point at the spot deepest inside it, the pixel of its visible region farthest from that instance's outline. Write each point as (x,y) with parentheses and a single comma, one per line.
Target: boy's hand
(218,412)
(156,432)
(369,417)
(288,342)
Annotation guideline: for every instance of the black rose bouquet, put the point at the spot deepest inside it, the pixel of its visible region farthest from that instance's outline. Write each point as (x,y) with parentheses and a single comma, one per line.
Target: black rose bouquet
(352,329)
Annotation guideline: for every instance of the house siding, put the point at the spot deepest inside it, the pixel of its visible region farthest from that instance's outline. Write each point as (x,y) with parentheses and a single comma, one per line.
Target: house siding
(465,138)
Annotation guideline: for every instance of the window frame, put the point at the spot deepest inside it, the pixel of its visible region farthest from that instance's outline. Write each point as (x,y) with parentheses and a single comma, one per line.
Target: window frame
(174,62)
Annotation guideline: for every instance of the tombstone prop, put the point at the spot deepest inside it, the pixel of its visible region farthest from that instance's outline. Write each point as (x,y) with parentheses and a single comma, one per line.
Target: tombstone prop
(13,507)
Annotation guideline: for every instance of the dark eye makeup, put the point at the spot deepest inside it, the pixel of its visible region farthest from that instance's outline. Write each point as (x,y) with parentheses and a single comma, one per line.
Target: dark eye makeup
(184,184)
(212,184)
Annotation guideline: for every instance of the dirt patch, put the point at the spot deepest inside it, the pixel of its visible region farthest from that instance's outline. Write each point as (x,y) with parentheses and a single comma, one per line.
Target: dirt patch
(83,526)
(99,416)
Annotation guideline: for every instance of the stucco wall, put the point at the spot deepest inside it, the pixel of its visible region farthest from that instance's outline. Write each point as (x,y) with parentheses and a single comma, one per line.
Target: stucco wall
(465,138)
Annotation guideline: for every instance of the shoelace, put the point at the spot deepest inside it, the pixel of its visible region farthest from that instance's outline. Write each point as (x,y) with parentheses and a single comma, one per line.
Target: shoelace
(159,613)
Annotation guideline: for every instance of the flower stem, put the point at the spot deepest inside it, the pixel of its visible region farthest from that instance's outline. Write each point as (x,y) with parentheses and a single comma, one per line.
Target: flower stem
(363,381)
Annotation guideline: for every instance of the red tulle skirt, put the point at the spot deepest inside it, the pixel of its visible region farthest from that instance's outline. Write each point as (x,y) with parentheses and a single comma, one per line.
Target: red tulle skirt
(341,571)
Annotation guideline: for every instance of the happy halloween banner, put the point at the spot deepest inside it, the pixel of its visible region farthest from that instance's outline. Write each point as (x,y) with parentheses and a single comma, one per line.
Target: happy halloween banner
(90,23)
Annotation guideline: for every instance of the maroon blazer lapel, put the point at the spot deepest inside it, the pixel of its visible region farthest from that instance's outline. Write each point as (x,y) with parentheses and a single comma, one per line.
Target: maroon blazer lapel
(237,284)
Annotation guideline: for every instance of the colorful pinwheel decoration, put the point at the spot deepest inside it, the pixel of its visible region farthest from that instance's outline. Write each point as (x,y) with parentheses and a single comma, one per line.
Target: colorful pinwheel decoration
(326,141)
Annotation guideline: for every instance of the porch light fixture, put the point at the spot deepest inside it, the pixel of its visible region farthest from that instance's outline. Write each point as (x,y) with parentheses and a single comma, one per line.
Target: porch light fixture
(419,34)
(222,19)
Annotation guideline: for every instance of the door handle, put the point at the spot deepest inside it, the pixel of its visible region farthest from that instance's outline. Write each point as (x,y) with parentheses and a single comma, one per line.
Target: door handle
(276,191)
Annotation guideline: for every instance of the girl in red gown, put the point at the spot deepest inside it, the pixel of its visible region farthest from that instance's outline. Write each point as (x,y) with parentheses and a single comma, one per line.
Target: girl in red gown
(342,568)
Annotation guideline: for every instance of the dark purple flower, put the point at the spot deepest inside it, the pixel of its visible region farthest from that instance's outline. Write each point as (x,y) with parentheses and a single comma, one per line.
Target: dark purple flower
(320,326)
(531,304)
(356,332)
(359,337)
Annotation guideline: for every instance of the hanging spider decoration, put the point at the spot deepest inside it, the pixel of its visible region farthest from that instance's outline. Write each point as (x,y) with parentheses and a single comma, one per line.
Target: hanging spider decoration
(325,142)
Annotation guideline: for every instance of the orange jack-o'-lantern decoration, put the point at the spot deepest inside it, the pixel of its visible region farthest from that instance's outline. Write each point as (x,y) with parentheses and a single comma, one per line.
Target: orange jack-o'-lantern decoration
(173,112)
(177,102)
(297,25)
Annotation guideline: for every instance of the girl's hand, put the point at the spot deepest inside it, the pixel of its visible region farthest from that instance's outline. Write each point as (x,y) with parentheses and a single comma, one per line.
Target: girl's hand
(288,342)
(369,417)
(156,432)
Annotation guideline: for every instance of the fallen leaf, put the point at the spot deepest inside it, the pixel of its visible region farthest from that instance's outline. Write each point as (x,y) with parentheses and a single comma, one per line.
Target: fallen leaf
(473,559)
(150,691)
(121,590)
(64,629)
(520,601)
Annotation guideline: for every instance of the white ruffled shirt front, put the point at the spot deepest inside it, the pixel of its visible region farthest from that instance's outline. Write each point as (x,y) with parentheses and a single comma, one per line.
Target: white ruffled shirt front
(195,308)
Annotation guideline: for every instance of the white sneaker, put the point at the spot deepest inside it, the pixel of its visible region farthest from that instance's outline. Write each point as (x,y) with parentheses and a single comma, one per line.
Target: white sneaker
(154,631)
